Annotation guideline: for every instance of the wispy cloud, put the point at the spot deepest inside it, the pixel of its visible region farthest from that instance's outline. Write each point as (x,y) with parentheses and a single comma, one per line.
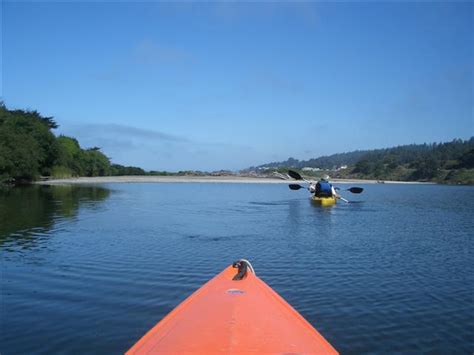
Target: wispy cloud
(156,150)
(131,132)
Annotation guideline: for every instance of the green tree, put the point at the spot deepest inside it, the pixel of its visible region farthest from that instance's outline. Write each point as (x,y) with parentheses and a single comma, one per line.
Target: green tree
(118,170)
(28,148)
(467,160)
(70,155)
(363,167)
(95,162)
(426,169)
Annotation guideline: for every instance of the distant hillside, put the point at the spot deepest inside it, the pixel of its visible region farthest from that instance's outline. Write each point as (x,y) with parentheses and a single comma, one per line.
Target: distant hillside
(450,162)
(323,162)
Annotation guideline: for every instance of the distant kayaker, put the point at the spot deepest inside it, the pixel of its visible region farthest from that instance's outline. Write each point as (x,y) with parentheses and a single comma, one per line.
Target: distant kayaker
(323,188)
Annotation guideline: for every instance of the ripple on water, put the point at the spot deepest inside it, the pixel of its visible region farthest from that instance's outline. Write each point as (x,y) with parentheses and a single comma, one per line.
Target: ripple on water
(389,274)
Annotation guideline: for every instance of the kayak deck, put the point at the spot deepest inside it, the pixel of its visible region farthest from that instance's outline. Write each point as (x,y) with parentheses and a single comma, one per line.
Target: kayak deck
(324,201)
(233,317)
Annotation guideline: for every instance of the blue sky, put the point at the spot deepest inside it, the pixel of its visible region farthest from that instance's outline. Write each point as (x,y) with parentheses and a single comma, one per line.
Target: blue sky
(207,86)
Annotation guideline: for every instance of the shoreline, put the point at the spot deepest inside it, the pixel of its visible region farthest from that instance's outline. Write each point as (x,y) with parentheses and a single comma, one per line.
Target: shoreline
(200,179)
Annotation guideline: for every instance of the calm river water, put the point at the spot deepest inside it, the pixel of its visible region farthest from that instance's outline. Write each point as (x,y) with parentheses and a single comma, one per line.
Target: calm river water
(89,269)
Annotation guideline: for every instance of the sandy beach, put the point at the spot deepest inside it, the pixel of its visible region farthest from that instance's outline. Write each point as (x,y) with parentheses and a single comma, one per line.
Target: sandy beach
(196,179)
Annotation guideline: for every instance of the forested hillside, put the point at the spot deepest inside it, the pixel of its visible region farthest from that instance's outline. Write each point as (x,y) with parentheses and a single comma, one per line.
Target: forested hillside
(450,162)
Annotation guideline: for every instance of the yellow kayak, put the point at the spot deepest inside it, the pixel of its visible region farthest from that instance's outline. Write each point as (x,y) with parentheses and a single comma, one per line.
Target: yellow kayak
(324,201)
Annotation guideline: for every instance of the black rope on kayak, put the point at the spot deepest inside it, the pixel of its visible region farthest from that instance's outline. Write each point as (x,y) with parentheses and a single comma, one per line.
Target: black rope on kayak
(243,265)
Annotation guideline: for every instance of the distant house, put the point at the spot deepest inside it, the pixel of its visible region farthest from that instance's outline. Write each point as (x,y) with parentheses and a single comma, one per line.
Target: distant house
(307,168)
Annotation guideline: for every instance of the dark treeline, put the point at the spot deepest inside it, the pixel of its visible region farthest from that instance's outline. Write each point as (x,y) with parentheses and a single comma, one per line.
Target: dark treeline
(450,162)
(428,162)
(29,149)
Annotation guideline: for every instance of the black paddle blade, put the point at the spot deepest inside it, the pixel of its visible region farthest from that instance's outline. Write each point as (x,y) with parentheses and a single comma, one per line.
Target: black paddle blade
(295,187)
(356,190)
(294,175)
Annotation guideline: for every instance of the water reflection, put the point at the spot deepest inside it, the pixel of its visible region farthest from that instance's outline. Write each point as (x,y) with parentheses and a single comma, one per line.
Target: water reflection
(26,212)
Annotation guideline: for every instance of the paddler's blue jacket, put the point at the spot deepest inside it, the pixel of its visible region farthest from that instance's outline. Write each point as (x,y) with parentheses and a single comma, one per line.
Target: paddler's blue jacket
(323,189)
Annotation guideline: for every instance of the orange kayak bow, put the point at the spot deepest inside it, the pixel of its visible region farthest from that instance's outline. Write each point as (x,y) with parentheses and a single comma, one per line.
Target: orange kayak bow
(234,313)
